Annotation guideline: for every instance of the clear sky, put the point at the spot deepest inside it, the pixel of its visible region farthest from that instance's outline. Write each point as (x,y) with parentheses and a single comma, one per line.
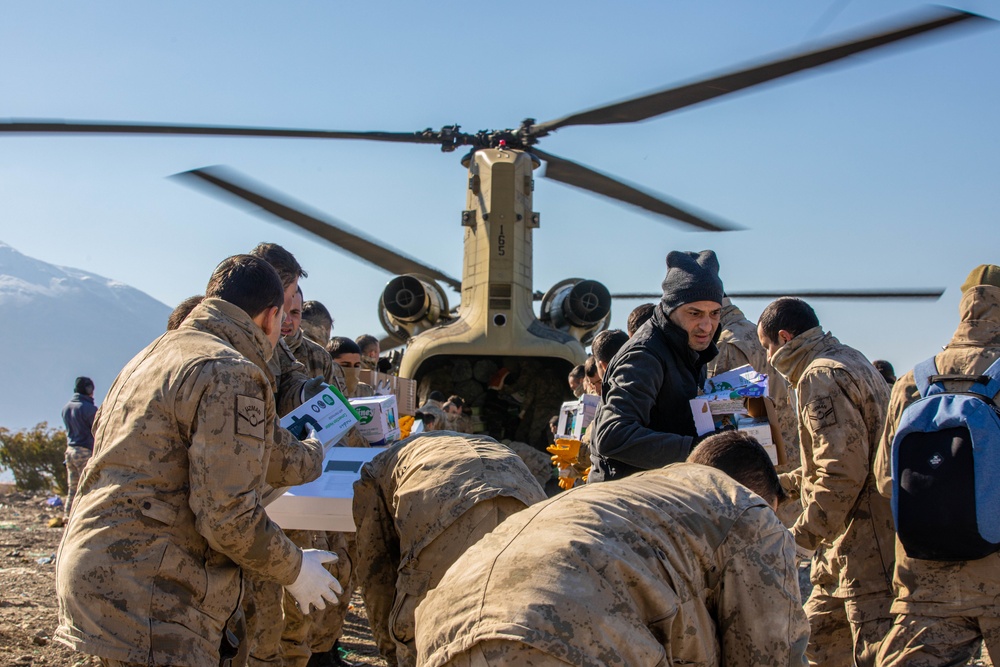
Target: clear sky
(879,173)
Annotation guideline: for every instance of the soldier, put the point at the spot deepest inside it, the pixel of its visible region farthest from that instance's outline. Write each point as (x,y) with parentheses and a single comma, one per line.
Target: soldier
(369,351)
(78,418)
(645,419)
(183,309)
(944,609)
(314,636)
(417,507)
(738,346)
(317,322)
(845,525)
(347,355)
(686,564)
(169,508)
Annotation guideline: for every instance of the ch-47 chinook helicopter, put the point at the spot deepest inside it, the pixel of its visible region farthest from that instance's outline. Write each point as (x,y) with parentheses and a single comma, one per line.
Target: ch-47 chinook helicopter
(493,350)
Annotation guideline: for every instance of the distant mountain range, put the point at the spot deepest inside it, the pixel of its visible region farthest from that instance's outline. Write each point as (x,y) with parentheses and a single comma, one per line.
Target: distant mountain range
(58,323)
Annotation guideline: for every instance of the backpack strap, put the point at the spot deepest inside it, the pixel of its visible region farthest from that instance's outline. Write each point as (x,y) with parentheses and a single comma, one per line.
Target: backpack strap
(989,384)
(922,374)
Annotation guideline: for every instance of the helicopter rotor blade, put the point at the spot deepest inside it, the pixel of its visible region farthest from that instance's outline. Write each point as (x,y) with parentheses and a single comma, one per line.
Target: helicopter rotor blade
(577,175)
(672,99)
(47,126)
(224,180)
(872,294)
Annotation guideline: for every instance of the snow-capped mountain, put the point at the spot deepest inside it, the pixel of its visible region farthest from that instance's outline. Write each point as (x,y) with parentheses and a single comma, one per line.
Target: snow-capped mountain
(58,323)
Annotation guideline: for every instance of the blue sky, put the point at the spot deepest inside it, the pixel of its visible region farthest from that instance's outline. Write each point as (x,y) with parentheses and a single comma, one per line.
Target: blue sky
(881,173)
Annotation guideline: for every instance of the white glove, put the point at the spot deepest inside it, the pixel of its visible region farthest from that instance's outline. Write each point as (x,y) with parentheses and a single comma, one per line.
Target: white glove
(314,585)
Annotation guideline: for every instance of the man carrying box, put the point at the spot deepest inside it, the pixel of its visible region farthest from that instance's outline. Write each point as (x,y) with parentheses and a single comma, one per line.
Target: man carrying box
(644,420)
(846,526)
(169,510)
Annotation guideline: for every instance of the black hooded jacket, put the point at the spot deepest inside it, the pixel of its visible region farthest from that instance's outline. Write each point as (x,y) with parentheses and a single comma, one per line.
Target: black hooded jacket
(644,420)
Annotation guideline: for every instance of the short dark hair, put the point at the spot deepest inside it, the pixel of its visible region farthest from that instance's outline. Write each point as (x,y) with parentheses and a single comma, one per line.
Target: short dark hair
(886,370)
(182,310)
(457,401)
(436,396)
(316,312)
(638,317)
(787,314)
(607,343)
(365,341)
(247,282)
(284,262)
(590,367)
(339,345)
(741,457)
(578,373)
(83,385)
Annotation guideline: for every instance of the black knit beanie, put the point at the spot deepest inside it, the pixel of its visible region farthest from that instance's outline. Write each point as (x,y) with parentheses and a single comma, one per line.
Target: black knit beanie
(691,276)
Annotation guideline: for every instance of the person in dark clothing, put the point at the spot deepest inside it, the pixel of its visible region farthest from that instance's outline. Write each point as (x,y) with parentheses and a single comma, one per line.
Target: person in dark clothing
(78,417)
(645,420)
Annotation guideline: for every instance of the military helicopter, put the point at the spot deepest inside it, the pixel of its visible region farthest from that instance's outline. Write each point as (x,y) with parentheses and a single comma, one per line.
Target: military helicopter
(493,350)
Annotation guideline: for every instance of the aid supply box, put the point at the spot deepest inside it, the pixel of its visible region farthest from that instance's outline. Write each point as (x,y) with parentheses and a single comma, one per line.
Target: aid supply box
(378,419)
(328,413)
(404,389)
(575,416)
(327,502)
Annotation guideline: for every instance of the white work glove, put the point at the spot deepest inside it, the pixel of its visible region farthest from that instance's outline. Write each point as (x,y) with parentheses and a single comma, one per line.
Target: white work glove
(314,585)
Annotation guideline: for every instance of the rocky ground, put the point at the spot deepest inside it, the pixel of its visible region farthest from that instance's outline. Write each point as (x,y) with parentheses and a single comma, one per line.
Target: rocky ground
(27,592)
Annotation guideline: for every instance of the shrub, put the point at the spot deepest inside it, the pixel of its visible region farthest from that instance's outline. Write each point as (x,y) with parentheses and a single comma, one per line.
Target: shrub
(36,457)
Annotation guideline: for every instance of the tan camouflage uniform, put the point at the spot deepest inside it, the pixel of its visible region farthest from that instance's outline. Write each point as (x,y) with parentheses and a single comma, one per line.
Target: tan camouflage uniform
(944,609)
(76,459)
(263,601)
(738,346)
(673,566)
(169,511)
(842,401)
(417,507)
(316,632)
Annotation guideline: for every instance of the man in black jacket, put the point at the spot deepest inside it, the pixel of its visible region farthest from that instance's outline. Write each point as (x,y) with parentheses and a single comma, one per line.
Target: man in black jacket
(645,419)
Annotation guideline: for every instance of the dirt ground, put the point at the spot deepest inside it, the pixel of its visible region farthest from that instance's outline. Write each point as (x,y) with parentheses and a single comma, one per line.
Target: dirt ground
(28,608)
(27,592)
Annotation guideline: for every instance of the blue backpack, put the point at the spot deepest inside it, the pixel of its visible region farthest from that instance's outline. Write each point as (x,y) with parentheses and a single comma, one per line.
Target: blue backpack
(946,468)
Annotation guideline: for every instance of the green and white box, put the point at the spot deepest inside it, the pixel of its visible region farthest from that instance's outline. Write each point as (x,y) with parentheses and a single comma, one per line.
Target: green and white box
(328,413)
(378,419)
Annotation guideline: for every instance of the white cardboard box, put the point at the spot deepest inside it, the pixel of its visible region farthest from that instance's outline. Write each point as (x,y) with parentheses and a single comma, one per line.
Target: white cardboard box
(329,414)
(378,419)
(575,416)
(326,503)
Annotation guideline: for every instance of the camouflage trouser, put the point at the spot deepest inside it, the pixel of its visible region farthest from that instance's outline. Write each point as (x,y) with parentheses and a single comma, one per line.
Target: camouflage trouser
(433,561)
(501,652)
(846,631)
(262,606)
(76,459)
(316,632)
(924,641)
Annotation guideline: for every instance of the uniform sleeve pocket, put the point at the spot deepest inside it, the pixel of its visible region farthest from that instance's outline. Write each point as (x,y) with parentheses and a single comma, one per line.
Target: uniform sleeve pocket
(158,510)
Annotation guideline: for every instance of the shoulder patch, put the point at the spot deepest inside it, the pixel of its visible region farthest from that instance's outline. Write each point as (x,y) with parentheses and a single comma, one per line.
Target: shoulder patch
(251,417)
(821,413)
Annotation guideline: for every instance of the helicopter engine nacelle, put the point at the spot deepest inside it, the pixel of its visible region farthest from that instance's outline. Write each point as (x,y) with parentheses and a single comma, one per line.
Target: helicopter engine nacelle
(412,303)
(581,308)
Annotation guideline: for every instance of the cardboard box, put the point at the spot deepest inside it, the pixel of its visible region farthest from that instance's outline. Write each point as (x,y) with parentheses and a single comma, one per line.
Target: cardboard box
(757,416)
(575,416)
(404,389)
(378,419)
(326,503)
(329,414)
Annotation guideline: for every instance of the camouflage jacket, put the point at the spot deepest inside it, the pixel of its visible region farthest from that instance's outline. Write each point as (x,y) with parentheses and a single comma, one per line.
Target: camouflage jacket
(842,401)
(168,510)
(738,346)
(315,358)
(679,565)
(935,588)
(411,494)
